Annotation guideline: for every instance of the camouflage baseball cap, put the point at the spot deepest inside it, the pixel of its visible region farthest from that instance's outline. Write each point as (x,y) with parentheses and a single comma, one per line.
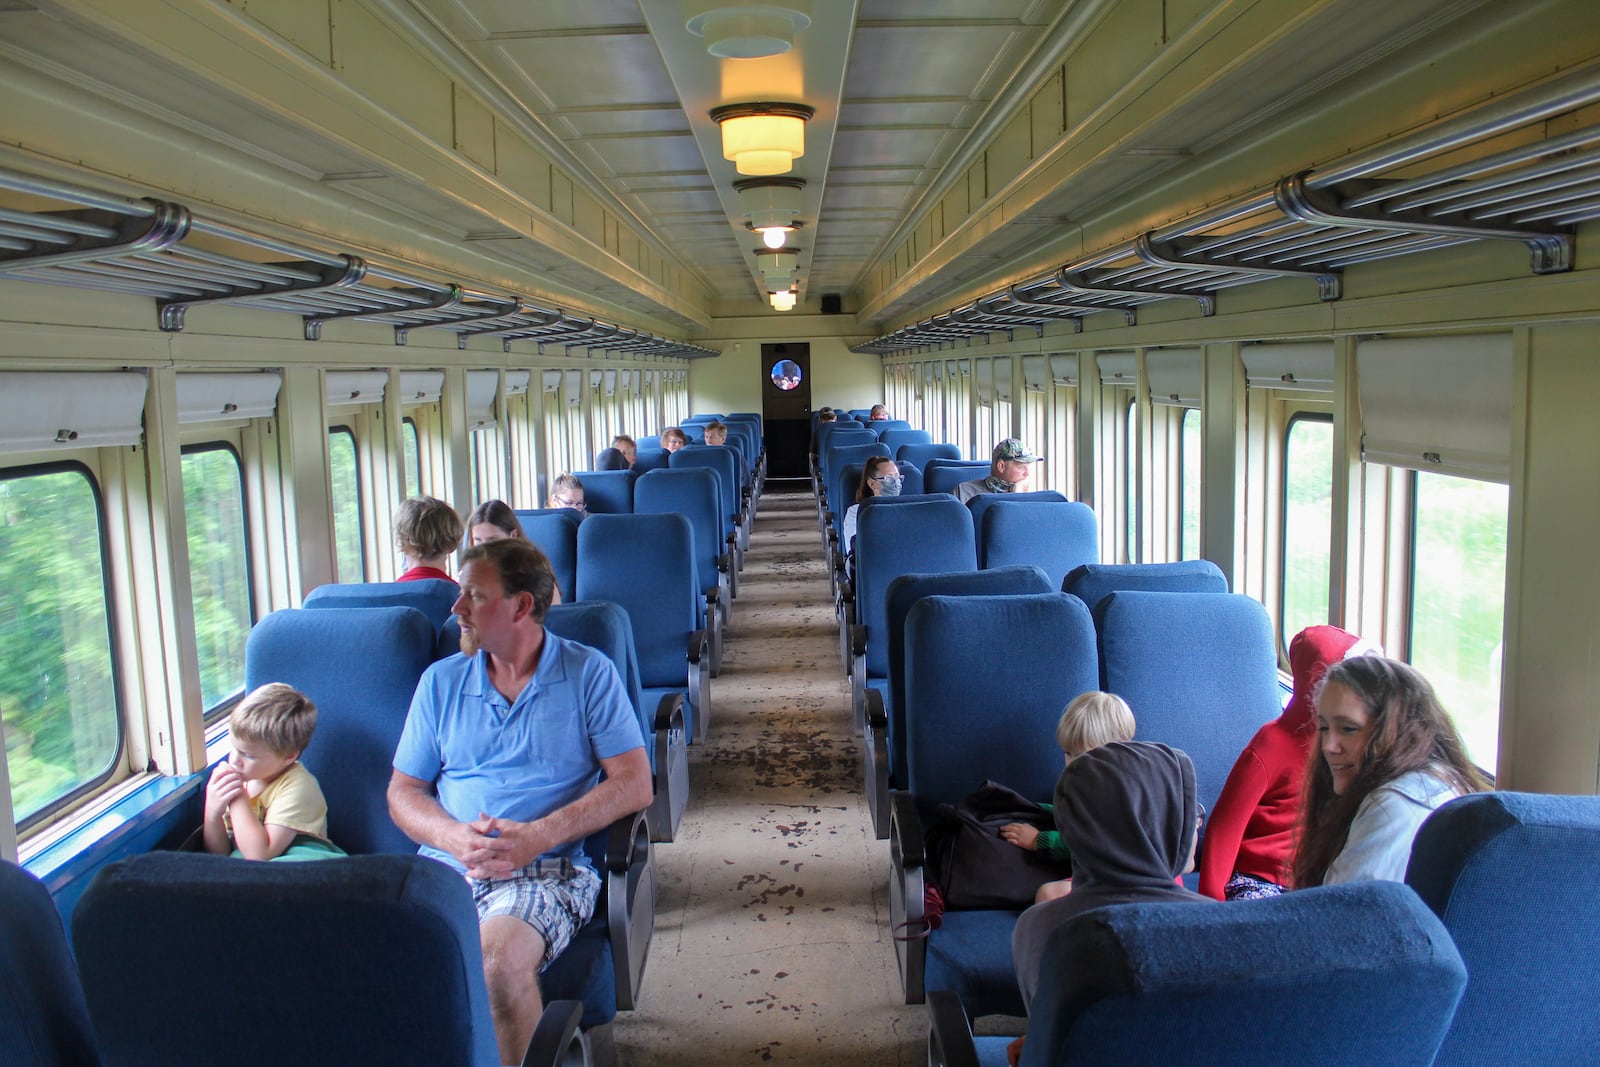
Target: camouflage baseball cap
(1013,449)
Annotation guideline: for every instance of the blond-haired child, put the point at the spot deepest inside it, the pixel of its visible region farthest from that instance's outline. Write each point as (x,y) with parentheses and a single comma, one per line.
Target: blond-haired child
(1092,719)
(261,803)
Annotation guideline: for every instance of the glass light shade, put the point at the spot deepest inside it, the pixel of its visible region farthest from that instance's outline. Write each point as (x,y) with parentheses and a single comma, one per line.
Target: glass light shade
(783,300)
(763,144)
(775,236)
(748,32)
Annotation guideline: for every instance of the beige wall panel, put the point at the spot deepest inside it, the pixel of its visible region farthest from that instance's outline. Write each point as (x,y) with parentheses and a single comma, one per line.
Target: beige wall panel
(1011,149)
(1181,14)
(303,23)
(936,222)
(522,167)
(560,196)
(977,186)
(1110,56)
(954,207)
(474,129)
(1049,113)
(588,217)
(382,65)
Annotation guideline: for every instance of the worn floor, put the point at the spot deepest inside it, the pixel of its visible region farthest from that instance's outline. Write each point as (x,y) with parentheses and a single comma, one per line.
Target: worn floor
(771,943)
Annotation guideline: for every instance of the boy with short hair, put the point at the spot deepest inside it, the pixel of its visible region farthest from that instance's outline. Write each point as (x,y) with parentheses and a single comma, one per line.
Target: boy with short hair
(261,802)
(716,433)
(1092,719)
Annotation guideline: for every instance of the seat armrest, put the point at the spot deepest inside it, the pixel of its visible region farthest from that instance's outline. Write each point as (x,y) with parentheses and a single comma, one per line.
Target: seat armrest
(725,561)
(627,842)
(669,713)
(950,1042)
(858,639)
(697,645)
(557,1041)
(713,594)
(905,830)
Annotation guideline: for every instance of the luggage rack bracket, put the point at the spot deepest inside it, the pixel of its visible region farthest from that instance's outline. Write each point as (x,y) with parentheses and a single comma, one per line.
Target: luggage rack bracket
(427,301)
(1330,283)
(322,279)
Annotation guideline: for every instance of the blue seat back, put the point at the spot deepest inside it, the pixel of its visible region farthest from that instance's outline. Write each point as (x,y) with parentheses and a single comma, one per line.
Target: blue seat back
(968,719)
(1057,535)
(837,457)
(943,475)
(362,959)
(883,426)
(652,440)
(847,434)
(905,591)
(1152,983)
(649,459)
(555,531)
(645,564)
(1199,670)
(434,597)
(721,461)
(922,454)
(1093,582)
(911,474)
(899,536)
(607,492)
(1512,877)
(360,668)
(694,493)
(703,418)
(603,625)
(610,459)
(43,1019)
(897,436)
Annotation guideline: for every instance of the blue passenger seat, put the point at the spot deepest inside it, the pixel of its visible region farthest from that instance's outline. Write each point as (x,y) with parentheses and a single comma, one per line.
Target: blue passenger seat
(555,531)
(607,492)
(1093,582)
(434,597)
(1042,529)
(43,1019)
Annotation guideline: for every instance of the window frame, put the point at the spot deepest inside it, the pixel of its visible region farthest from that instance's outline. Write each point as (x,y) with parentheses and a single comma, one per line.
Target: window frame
(1294,417)
(361,517)
(216,713)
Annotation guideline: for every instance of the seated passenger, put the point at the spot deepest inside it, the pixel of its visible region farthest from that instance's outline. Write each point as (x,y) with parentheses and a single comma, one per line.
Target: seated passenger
(628,447)
(426,531)
(1127,812)
(567,492)
(261,802)
(1389,757)
(514,751)
(1250,836)
(1092,719)
(673,438)
(611,459)
(879,413)
(492,520)
(880,477)
(1009,470)
(716,433)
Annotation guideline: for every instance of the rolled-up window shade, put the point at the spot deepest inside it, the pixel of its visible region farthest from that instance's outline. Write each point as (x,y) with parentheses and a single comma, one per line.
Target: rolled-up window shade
(70,409)
(207,397)
(551,381)
(983,381)
(964,367)
(611,383)
(421,386)
(574,391)
(936,370)
(1174,376)
(918,377)
(1439,404)
(1305,365)
(517,382)
(1117,368)
(351,388)
(1002,380)
(635,381)
(1064,368)
(481,387)
(1035,373)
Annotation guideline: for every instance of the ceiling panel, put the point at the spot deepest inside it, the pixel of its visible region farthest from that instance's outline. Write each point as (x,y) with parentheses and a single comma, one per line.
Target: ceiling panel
(620,70)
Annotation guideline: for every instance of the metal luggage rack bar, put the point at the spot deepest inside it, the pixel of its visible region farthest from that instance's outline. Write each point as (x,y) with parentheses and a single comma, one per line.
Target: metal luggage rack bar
(161,250)
(1313,225)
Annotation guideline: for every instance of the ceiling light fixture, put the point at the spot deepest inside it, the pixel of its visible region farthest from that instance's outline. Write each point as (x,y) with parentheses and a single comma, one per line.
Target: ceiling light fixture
(783,300)
(763,138)
(752,32)
(777,266)
(771,205)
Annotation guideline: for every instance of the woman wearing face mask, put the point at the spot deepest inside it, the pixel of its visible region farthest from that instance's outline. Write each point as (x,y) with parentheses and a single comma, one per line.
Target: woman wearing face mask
(880,477)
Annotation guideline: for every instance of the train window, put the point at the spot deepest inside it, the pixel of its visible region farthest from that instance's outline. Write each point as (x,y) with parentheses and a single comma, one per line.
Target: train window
(1189,450)
(1130,479)
(413,457)
(219,569)
(61,706)
(1307,523)
(1458,577)
(477,469)
(346,481)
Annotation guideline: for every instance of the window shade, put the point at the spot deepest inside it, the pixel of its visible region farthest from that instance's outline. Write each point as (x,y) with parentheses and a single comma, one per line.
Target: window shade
(1307,366)
(1002,379)
(1035,373)
(50,409)
(574,390)
(1439,404)
(349,388)
(551,381)
(217,397)
(517,382)
(1174,376)
(1116,368)
(1064,368)
(421,386)
(983,382)
(481,387)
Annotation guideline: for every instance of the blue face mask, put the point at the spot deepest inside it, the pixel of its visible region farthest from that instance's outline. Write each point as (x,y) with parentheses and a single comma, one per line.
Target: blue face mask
(889,485)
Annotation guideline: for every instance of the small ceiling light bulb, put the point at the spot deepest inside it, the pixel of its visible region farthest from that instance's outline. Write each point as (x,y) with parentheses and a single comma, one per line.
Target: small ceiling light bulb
(783,300)
(775,236)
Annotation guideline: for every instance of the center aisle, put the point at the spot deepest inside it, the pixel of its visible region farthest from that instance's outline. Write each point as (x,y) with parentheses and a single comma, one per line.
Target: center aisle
(771,940)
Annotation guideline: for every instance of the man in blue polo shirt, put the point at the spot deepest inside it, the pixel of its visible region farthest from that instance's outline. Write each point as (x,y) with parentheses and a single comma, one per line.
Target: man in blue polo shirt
(513,752)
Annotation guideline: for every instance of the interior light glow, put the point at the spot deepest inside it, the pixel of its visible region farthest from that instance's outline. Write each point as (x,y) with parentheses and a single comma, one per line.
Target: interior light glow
(763,138)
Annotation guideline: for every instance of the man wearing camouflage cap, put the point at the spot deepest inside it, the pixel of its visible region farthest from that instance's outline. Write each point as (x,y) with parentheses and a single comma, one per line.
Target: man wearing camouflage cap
(1007,474)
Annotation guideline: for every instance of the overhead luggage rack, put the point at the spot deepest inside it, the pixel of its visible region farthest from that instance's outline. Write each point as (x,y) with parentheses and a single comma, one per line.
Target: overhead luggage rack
(1313,225)
(161,250)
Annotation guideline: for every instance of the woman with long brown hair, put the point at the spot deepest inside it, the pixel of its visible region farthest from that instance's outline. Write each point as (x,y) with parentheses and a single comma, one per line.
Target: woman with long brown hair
(1388,756)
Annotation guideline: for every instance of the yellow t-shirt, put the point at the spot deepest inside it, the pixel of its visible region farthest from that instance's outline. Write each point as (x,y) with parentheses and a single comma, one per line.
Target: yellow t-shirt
(294,800)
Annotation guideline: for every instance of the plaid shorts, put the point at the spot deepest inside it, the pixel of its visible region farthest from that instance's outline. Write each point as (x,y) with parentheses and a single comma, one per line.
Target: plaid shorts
(555,898)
